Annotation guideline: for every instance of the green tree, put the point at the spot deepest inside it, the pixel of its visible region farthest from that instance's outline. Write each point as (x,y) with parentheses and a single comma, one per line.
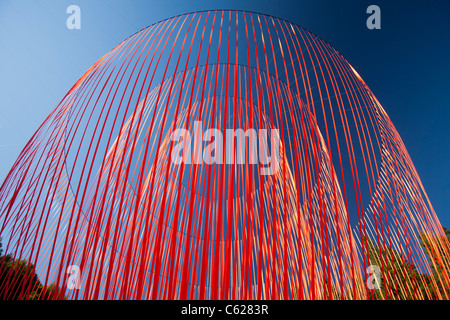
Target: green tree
(437,249)
(51,292)
(16,278)
(19,281)
(400,279)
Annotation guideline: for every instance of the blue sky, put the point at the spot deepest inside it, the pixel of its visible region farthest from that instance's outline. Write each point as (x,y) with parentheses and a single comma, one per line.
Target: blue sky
(406,63)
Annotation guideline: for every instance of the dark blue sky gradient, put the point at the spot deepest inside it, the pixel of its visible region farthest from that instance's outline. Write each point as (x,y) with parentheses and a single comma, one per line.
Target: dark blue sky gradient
(406,63)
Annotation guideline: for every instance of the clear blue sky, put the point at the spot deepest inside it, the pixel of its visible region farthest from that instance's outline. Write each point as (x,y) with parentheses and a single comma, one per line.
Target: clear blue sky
(406,63)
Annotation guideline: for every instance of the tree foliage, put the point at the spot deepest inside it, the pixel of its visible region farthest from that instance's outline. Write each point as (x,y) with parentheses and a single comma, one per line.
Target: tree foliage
(19,281)
(437,248)
(400,278)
